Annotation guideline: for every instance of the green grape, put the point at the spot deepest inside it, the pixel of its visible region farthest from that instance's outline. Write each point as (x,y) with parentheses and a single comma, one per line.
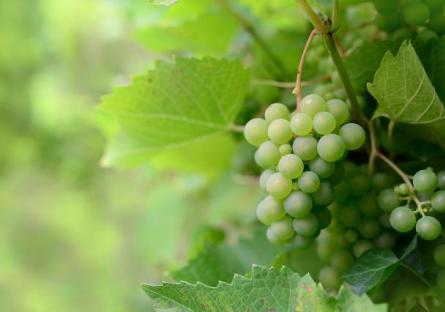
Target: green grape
(278,185)
(425,181)
(386,240)
(322,168)
(359,184)
(279,131)
(338,175)
(350,168)
(441,180)
(437,23)
(324,195)
(313,104)
(291,166)
(350,215)
(267,155)
(329,278)
(255,131)
(402,189)
(368,206)
(402,219)
(369,228)
(416,13)
(428,228)
(382,180)
(326,250)
(305,147)
(285,149)
(384,220)
(280,231)
(340,110)
(341,192)
(388,200)
(298,204)
(263,178)
(439,255)
(353,135)
(386,6)
(351,236)
(269,210)
(438,201)
(301,124)
(388,23)
(361,247)
(342,260)
(441,279)
(276,111)
(324,123)
(308,182)
(306,226)
(303,242)
(324,218)
(331,147)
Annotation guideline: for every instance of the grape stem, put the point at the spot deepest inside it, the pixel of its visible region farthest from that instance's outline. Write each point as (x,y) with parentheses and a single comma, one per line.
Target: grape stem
(290,84)
(236,128)
(297,89)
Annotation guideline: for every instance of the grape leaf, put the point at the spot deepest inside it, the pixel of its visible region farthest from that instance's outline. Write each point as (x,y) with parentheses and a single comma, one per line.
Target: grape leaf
(371,269)
(264,289)
(405,94)
(172,107)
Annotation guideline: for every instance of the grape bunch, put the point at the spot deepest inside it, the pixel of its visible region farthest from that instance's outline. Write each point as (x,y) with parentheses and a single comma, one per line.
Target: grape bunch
(301,155)
(418,205)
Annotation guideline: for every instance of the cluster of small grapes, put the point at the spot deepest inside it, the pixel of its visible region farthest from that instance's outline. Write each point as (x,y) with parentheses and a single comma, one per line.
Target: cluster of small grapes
(300,153)
(427,198)
(357,225)
(396,14)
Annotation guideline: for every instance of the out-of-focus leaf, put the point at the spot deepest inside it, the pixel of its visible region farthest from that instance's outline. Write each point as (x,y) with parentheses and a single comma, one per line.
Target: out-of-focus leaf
(163,2)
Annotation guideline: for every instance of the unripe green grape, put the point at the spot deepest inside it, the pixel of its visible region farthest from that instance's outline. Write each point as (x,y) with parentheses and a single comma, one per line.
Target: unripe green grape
(285,149)
(331,147)
(341,192)
(402,219)
(298,204)
(279,131)
(441,279)
(322,168)
(269,210)
(416,14)
(313,104)
(278,185)
(326,250)
(324,195)
(303,242)
(353,135)
(384,220)
(329,278)
(369,228)
(276,111)
(402,189)
(263,178)
(361,247)
(324,123)
(439,255)
(324,218)
(342,260)
(305,147)
(425,181)
(388,23)
(255,131)
(306,226)
(291,166)
(441,180)
(351,236)
(428,228)
(368,206)
(386,240)
(338,175)
(267,155)
(280,231)
(359,184)
(438,201)
(301,124)
(382,180)
(350,168)
(350,215)
(340,110)
(308,182)
(388,200)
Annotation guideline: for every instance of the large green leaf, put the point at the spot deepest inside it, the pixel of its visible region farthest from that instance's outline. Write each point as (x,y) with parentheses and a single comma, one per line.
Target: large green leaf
(265,289)
(180,108)
(405,94)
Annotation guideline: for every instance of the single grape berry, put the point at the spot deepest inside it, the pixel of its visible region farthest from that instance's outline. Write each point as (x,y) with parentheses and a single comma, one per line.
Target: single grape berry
(285,149)
(279,131)
(369,228)
(359,183)
(368,206)
(350,215)
(303,242)
(402,189)
(269,210)
(276,111)
(416,13)
(305,147)
(322,168)
(267,155)
(306,226)
(388,200)
(428,228)
(353,135)
(280,231)
(382,180)
(324,217)
(308,182)
(340,110)
(329,278)
(438,201)
(439,255)
(386,240)
(324,123)
(402,219)
(351,236)
(324,195)
(425,181)
(313,104)
(441,180)
(331,147)
(291,166)
(255,131)
(298,204)
(278,185)
(301,124)
(263,178)
(361,247)
(342,260)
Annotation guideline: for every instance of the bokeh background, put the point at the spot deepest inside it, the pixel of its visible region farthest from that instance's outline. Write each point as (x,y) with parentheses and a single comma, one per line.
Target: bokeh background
(75,236)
